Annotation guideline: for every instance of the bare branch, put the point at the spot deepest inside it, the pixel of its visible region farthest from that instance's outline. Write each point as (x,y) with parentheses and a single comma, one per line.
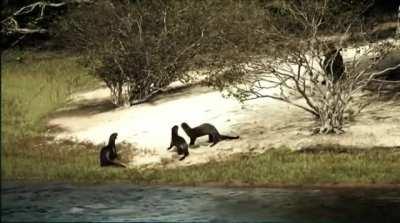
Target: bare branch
(385,70)
(11,25)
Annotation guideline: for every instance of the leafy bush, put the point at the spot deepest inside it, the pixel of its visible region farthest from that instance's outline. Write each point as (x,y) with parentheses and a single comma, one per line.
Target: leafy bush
(136,48)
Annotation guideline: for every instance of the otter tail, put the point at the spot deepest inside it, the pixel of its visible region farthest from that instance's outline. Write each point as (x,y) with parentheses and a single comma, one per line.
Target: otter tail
(229,137)
(119,164)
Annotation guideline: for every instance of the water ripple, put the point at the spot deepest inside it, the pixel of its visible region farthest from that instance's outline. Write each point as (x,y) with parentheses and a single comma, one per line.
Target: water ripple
(62,202)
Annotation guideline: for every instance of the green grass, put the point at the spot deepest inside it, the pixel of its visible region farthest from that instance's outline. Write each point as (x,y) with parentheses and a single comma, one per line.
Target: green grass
(37,159)
(34,158)
(32,85)
(284,167)
(35,86)
(42,82)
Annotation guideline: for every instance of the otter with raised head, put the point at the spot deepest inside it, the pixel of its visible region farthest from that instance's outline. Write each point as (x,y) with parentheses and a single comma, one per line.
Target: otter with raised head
(333,64)
(205,129)
(179,142)
(108,154)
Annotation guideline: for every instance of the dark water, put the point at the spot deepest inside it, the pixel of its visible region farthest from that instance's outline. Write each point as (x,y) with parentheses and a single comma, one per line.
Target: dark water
(62,202)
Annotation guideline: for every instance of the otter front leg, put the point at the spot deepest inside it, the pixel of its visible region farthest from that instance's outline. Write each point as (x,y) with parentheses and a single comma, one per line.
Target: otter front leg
(210,138)
(213,144)
(192,141)
(184,156)
(215,140)
(170,146)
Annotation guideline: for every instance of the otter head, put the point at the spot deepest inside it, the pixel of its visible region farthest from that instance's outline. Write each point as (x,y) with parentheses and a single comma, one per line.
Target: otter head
(113,136)
(330,48)
(185,126)
(175,129)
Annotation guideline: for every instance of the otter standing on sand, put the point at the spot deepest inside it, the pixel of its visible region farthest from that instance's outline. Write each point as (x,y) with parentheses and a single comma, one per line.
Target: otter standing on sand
(179,142)
(333,63)
(108,154)
(205,129)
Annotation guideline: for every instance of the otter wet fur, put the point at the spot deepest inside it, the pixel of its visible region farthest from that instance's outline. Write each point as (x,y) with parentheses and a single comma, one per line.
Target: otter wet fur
(108,154)
(205,129)
(179,142)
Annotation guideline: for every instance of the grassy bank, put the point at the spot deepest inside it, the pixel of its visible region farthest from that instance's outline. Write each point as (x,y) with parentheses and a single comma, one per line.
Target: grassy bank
(285,167)
(34,84)
(36,159)
(40,83)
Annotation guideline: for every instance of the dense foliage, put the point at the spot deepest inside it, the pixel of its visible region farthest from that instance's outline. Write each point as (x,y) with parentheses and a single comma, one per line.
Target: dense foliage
(137,48)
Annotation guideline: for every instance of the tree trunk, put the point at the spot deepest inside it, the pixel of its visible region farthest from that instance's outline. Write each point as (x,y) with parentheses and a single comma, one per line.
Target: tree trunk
(331,114)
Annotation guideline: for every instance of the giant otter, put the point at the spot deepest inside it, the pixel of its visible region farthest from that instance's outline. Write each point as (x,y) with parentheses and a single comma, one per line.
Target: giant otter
(179,142)
(108,154)
(333,63)
(205,129)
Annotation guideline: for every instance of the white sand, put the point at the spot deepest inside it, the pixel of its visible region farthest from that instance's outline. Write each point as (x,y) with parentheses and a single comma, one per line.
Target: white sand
(261,124)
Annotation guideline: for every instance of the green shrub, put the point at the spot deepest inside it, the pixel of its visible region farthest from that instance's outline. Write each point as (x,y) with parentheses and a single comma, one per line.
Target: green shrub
(138,47)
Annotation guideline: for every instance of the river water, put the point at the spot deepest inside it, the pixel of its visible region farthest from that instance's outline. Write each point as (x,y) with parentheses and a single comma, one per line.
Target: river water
(124,202)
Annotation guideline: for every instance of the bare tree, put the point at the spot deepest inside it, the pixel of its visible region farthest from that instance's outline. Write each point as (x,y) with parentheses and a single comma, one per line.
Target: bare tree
(302,60)
(11,25)
(398,23)
(17,23)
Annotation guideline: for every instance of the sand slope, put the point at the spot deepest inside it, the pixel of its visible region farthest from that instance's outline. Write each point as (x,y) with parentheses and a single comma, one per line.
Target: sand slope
(261,124)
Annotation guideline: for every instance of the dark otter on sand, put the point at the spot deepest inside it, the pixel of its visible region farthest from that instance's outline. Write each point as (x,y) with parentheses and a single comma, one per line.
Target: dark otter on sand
(179,142)
(333,64)
(205,129)
(108,154)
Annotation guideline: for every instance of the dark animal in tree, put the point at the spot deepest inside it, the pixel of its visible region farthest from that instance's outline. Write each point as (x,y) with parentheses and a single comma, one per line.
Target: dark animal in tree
(333,64)
(108,154)
(179,142)
(205,129)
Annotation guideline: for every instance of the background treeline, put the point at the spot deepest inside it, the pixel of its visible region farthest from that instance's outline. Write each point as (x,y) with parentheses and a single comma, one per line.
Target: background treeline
(380,11)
